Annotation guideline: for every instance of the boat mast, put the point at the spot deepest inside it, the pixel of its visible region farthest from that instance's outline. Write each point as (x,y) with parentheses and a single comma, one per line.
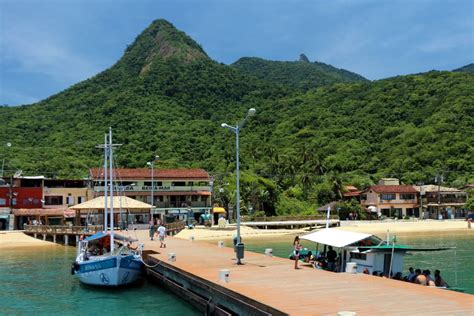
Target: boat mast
(111,177)
(105,183)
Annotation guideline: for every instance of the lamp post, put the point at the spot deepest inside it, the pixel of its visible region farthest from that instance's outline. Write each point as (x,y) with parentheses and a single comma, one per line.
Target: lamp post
(152,164)
(236,130)
(439,179)
(421,213)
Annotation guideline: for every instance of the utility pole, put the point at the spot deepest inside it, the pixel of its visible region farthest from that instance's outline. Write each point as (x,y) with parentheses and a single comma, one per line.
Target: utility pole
(438,180)
(421,213)
(10,193)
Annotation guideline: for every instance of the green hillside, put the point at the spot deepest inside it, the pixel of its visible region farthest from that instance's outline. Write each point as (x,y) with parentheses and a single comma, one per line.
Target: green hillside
(467,68)
(166,96)
(301,75)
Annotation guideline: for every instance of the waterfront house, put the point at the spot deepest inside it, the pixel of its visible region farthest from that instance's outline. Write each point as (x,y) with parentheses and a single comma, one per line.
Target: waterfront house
(444,201)
(29,198)
(174,191)
(391,200)
(351,192)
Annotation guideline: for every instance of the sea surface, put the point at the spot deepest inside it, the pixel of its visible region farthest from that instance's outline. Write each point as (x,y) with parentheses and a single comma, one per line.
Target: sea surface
(38,281)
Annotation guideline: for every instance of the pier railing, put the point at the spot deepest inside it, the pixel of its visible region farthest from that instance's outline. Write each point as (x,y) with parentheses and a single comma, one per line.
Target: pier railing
(175,227)
(62,230)
(286,218)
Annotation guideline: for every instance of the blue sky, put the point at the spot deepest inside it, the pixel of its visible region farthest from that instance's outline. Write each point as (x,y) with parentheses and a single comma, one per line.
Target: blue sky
(48,45)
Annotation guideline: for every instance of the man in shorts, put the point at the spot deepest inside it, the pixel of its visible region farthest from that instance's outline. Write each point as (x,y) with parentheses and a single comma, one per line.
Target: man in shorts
(162,235)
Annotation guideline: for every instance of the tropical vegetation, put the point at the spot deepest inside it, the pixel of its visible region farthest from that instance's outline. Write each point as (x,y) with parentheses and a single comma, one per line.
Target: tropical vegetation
(317,128)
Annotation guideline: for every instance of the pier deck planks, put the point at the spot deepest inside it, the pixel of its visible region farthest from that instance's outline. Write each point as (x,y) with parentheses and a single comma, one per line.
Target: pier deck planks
(273,281)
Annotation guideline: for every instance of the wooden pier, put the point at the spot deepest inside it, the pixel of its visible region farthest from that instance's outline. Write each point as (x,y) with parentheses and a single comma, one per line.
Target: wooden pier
(291,224)
(69,235)
(267,285)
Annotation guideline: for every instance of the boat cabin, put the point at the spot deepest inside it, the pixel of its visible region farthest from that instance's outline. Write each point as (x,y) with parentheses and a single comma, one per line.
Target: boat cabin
(366,250)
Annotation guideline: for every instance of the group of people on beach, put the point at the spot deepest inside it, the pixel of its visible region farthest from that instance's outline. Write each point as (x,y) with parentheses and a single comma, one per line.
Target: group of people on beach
(415,276)
(159,229)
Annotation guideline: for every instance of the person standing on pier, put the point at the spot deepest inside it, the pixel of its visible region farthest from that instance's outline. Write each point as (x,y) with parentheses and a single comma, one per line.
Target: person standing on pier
(297,249)
(331,257)
(162,235)
(152,229)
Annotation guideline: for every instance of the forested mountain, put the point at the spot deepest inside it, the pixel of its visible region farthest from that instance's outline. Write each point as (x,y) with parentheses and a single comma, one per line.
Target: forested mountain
(301,75)
(467,68)
(166,96)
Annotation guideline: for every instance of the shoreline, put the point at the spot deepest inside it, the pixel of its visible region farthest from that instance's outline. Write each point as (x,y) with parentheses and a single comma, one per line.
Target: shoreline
(407,227)
(18,239)
(401,228)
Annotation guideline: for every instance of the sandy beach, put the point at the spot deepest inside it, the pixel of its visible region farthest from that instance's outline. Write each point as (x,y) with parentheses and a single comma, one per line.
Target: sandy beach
(373,227)
(17,239)
(246,232)
(407,227)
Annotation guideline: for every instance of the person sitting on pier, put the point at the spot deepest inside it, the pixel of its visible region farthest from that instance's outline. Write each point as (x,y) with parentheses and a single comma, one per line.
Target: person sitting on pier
(398,276)
(429,279)
(439,280)
(411,275)
(420,278)
(320,262)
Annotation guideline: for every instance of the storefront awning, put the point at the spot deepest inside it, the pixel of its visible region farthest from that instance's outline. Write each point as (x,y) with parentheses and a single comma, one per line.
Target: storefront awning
(43,212)
(218,210)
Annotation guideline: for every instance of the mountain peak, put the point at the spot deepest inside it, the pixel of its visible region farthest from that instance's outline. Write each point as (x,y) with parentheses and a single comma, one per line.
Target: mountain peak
(161,41)
(303,58)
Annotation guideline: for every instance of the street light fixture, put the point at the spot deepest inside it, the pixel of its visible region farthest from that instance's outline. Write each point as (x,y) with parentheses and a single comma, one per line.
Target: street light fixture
(152,165)
(236,130)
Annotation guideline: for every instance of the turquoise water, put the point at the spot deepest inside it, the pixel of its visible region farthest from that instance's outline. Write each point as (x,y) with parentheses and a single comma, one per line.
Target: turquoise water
(39,282)
(455,265)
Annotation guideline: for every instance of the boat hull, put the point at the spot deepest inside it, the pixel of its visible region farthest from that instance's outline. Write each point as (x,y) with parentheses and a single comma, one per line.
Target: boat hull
(109,270)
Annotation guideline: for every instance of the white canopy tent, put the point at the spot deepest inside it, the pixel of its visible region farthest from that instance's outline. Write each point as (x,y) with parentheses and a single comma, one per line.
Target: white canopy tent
(123,202)
(335,237)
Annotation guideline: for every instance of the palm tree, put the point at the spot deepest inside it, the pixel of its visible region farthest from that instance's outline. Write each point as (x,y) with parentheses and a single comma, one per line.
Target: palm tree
(336,186)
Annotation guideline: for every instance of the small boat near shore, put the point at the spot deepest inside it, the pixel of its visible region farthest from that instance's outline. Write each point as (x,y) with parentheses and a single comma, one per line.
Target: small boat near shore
(106,258)
(359,252)
(97,264)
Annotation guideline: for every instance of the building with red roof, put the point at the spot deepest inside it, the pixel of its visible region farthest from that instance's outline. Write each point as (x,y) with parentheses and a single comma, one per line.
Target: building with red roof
(392,199)
(351,192)
(173,191)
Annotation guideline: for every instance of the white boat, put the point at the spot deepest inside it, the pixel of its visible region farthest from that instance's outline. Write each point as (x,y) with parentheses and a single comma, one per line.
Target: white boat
(106,259)
(365,251)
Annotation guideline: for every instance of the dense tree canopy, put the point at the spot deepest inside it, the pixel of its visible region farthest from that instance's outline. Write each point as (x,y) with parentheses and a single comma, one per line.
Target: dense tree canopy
(316,131)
